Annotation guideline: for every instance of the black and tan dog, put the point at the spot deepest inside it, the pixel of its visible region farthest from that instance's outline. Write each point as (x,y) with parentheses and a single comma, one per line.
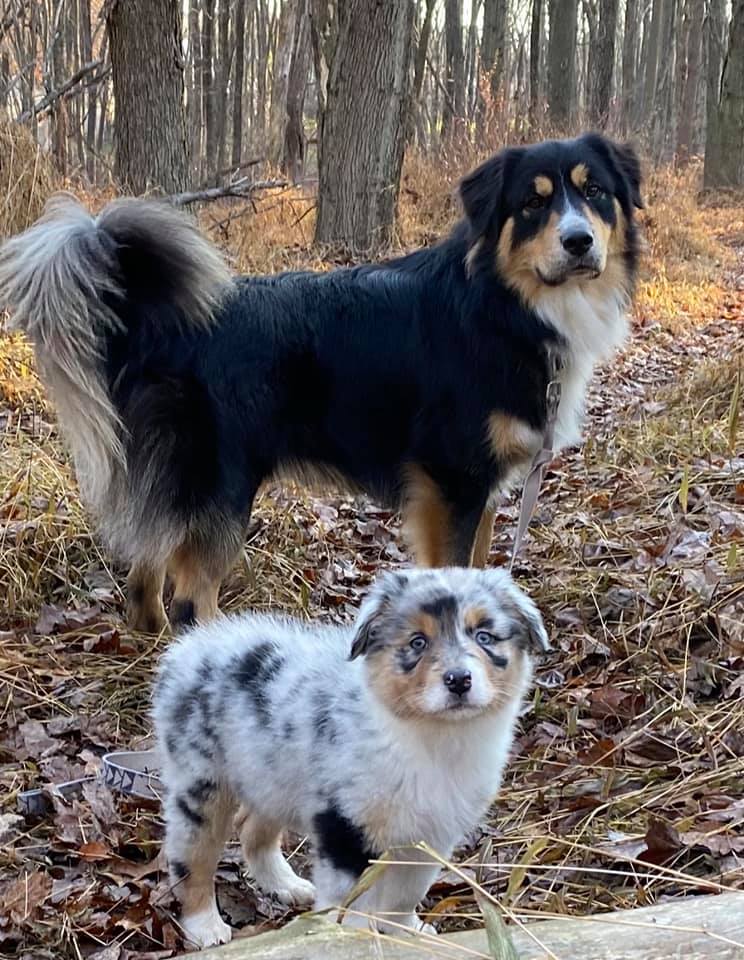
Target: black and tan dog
(421,380)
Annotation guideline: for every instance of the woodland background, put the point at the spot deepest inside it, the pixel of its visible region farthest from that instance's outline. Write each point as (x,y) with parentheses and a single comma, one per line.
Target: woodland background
(307,135)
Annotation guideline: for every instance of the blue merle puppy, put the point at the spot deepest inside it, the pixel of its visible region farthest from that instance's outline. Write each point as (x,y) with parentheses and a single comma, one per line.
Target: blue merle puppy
(378,736)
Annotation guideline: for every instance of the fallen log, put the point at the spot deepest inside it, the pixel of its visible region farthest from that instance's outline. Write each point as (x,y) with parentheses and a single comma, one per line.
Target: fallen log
(693,928)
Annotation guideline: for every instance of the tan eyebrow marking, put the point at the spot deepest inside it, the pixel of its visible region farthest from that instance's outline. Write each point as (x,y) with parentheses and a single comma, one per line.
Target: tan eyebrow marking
(579,175)
(543,186)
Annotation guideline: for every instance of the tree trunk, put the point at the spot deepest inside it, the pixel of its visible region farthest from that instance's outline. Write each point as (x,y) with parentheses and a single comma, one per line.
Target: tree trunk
(363,130)
(664,115)
(282,63)
(419,67)
(561,61)
(195,104)
(630,64)
(601,63)
(724,152)
(238,82)
(651,64)
(535,44)
(56,79)
(223,61)
(209,90)
(293,159)
(689,115)
(454,106)
(86,51)
(492,47)
(149,122)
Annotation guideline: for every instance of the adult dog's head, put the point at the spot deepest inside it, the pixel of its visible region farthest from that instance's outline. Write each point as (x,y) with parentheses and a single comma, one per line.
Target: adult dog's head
(555,214)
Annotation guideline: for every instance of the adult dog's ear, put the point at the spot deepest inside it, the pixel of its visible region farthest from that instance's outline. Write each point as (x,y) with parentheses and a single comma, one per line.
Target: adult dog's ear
(627,161)
(367,633)
(624,159)
(480,193)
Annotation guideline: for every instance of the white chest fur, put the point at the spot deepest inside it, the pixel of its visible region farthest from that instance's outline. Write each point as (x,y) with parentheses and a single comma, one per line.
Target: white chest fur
(592,318)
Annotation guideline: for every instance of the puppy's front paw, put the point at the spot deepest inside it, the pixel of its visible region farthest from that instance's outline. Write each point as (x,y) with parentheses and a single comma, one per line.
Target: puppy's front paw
(296,893)
(206,928)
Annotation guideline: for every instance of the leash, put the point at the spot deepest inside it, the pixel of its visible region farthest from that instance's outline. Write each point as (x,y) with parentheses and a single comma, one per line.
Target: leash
(533,480)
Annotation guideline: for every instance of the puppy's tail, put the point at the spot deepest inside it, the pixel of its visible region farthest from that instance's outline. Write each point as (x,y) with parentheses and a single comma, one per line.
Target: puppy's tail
(72,282)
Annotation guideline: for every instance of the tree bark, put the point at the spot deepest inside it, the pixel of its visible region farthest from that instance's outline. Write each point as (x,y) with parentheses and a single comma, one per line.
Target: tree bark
(561,61)
(419,67)
(293,159)
(282,64)
(209,89)
(601,64)
(454,106)
(363,128)
(630,64)
(535,44)
(194,92)
(724,153)
(492,46)
(238,82)
(664,116)
(223,61)
(86,53)
(689,118)
(149,121)
(651,64)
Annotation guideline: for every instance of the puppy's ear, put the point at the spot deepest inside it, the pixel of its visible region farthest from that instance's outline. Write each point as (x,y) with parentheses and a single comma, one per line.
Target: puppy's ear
(480,193)
(537,635)
(368,623)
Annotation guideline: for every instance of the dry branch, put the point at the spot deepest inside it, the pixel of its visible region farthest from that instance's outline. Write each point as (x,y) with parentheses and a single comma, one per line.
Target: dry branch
(240,188)
(41,106)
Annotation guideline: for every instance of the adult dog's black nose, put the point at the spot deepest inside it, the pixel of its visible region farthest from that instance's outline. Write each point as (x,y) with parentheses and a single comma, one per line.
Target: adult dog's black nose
(458,681)
(577,242)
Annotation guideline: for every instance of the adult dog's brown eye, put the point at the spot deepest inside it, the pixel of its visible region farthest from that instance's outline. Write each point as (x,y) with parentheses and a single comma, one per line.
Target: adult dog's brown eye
(418,642)
(593,190)
(535,203)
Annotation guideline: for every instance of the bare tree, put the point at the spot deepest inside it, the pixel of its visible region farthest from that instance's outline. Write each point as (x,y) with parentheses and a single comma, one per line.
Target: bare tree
(238,83)
(362,134)
(601,63)
(535,44)
(492,45)
(561,61)
(689,115)
(454,105)
(724,150)
(630,86)
(150,122)
(293,159)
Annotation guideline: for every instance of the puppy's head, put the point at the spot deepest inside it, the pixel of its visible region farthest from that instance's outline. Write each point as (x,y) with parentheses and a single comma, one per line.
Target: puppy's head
(555,213)
(447,644)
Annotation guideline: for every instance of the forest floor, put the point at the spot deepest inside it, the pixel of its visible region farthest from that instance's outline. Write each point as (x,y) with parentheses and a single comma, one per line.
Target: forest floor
(627,780)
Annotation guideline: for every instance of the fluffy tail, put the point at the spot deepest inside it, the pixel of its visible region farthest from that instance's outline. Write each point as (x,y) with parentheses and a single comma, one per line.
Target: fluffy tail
(72,279)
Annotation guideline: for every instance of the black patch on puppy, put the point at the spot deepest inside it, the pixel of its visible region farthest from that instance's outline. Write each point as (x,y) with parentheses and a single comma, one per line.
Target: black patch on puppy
(255,670)
(179,870)
(323,720)
(407,658)
(342,842)
(201,790)
(496,659)
(444,610)
(193,815)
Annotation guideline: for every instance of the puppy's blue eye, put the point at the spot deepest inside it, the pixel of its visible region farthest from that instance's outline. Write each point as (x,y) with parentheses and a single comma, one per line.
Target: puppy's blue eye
(593,190)
(484,638)
(418,642)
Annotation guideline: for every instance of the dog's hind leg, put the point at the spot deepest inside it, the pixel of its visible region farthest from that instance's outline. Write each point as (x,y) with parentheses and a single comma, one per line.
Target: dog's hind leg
(198,824)
(198,567)
(261,842)
(483,537)
(145,610)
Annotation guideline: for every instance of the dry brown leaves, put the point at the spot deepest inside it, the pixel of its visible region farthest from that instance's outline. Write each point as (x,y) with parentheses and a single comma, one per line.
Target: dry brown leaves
(628,772)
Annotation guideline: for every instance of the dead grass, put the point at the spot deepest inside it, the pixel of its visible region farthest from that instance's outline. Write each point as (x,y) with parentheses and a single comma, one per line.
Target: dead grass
(626,783)
(26,178)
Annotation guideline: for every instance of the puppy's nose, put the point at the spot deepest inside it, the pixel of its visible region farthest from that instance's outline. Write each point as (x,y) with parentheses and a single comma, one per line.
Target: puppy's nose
(458,681)
(577,242)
